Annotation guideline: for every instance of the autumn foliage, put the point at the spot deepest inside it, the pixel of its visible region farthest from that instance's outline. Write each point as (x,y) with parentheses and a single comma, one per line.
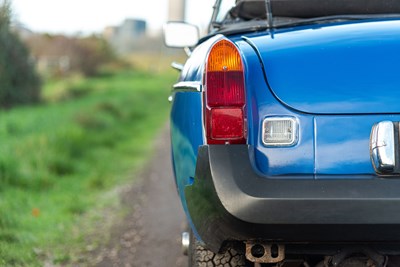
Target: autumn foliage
(60,55)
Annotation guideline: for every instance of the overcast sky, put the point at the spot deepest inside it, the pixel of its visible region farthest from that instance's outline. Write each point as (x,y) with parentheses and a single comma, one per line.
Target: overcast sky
(86,16)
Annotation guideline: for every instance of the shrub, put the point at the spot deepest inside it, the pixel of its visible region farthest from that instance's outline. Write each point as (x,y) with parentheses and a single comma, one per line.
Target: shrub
(19,83)
(59,55)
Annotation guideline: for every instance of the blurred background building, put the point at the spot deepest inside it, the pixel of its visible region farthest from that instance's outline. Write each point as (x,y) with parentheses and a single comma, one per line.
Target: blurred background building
(176,10)
(132,35)
(128,36)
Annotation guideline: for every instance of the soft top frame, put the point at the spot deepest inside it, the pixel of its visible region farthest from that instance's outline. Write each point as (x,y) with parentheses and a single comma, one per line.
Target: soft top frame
(256,9)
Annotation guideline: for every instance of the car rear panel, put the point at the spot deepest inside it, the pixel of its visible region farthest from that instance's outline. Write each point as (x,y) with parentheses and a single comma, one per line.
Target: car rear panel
(328,144)
(348,68)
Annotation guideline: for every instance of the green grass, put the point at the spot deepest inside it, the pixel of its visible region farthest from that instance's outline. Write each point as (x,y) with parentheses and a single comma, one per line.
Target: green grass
(60,161)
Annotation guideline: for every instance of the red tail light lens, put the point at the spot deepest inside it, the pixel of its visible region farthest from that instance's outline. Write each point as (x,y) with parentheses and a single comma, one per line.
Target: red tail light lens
(226,123)
(225,88)
(224,95)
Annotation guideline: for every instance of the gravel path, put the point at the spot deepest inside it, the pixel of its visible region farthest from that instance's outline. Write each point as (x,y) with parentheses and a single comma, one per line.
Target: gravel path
(150,236)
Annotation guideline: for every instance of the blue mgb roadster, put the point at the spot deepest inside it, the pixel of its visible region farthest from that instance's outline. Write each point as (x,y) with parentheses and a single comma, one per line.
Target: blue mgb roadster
(285,133)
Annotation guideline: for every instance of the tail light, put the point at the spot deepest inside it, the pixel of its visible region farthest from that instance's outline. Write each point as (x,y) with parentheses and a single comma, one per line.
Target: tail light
(224,98)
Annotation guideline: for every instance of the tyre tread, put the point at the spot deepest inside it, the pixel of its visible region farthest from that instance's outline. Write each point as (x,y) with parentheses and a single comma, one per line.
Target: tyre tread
(202,257)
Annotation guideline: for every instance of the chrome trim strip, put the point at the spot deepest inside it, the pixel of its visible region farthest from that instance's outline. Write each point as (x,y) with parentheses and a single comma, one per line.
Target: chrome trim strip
(188,87)
(177,66)
(382,147)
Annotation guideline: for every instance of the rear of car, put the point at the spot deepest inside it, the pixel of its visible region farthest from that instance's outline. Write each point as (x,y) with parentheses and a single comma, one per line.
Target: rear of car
(285,137)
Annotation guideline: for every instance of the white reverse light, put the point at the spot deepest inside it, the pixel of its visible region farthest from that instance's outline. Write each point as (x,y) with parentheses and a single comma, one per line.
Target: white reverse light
(279,131)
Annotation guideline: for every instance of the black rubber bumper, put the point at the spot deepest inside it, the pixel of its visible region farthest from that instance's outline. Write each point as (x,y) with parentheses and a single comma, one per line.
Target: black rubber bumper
(230,201)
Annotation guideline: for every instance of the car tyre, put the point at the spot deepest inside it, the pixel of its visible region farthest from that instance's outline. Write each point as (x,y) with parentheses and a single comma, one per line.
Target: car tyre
(202,257)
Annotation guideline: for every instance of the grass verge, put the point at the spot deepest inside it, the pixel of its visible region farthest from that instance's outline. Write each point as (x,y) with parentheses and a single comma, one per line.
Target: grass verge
(60,161)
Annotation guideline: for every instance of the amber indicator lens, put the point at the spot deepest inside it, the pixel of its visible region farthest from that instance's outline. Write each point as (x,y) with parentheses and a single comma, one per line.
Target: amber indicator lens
(224,56)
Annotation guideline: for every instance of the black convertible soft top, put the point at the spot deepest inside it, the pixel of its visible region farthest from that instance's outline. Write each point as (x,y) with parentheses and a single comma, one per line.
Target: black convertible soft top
(253,9)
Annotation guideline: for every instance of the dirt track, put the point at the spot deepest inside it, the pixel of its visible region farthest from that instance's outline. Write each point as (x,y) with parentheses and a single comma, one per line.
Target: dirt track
(150,236)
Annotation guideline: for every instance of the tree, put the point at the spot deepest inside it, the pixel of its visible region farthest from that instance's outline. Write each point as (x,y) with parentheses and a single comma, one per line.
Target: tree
(19,82)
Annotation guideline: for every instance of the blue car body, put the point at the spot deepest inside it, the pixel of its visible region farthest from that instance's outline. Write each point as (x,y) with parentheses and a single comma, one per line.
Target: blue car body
(337,80)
